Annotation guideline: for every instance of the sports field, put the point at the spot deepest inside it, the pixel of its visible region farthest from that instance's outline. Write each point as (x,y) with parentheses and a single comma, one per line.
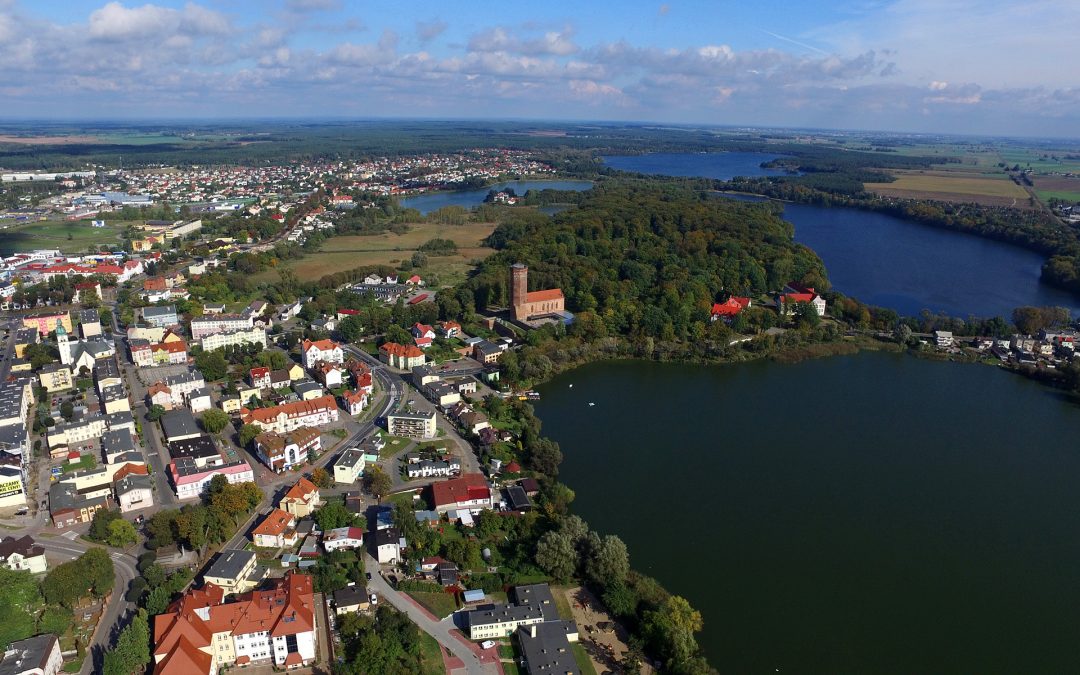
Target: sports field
(54,234)
(954,186)
(347,252)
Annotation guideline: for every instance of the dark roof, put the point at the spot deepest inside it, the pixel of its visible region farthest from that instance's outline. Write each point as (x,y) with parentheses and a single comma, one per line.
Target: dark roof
(27,655)
(537,595)
(199,447)
(24,546)
(546,647)
(519,501)
(230,563)
(350,595)
(385,536)
(176,423)
(117,441)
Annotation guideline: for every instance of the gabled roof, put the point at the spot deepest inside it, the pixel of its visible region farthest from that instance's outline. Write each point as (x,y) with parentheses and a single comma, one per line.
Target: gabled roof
(302,491)
(468,487)
(321,345)
(542,296)
(274,524)
(394,349)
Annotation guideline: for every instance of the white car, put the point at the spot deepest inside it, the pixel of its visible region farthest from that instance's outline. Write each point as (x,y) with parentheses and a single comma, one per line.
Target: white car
(488,644)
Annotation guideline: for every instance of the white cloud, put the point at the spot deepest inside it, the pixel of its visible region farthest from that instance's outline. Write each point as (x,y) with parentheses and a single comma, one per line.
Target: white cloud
(427,31)
(114,21)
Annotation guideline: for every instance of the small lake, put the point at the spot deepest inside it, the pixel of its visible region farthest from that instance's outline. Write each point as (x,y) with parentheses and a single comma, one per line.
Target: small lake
(863,514)
(426,203)
(718,165)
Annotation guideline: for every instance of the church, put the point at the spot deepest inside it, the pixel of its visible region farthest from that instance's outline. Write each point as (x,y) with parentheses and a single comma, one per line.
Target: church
(81,353)
(528,305)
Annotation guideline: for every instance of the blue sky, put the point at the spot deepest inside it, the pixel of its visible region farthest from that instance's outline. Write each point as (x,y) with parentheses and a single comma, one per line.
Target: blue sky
(967,66)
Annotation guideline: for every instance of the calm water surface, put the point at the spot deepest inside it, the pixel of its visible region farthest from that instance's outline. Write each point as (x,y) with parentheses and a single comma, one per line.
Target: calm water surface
(469,198)
(864,514)
(719,165)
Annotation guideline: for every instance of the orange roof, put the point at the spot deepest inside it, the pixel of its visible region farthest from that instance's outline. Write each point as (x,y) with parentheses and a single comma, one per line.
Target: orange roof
(297,409)
(301,491)
(321,345)
(129,469)
(185,659)
(293,659)
(172,347)
(157,388)
(274,524)
(154,284)
(171,627)
(352,396)
(541,296)
(407,351)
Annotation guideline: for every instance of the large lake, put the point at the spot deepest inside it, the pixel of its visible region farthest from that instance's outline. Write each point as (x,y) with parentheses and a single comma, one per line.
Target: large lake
(889,261)
(718,165)
(434,201)
(866,514)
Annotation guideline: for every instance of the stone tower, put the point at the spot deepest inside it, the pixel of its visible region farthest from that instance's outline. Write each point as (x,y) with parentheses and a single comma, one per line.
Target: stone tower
(519,285)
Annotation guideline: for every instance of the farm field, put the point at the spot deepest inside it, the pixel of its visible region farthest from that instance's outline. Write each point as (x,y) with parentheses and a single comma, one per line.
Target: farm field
(955,187)
(1060,187)
(343,253)
(1043,161)
(54,234)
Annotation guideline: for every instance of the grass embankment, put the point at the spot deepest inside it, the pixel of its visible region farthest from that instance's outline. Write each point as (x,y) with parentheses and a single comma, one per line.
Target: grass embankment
(431,661)
(439,604)
(347,252)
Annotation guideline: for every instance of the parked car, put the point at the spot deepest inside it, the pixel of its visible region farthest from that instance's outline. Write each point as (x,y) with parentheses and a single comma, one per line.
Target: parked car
(488,644)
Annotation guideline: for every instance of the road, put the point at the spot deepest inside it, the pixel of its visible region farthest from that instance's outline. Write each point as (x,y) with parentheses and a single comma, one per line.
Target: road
(440,630)
(118,606)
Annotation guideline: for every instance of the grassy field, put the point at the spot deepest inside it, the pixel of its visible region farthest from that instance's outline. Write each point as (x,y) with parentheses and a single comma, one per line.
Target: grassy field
(439,604)
(431,661)
(54,234)
(339,254)
(954,186)
(582,657)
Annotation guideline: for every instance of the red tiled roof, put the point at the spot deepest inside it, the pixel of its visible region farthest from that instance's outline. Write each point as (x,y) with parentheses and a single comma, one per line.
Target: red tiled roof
(185,659)
(394,349)
(730,307)
(276,522)
(541,296)
(296,409)
(302,490)
(174,347)
(321,345)
(468,487)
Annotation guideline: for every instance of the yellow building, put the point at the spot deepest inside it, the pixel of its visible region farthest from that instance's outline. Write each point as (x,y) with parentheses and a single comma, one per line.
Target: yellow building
(55,377)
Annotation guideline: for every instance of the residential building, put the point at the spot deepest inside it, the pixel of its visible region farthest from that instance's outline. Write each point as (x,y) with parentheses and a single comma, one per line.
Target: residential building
(469,491)
(174,390)
(146,354)
(343,537)
(259,377)
(349,466)
(200,633)
(24,337)
(289,416)
(442,394)
(234,571)
(403,357)
(22,553)
(160,317)
(353,402)
(413,425)
(277,530)
(328,374)
(352,598)
(487,352)
(198,400)
(431,469)
(68,507)
(302,499)
(794,294)
(38,655)
(46,323)
(201,449)
(219,323)
(90,322)
(190,480)
(321,351)
(134,491)
(243,336)
(450,329)
(307,389)
(531,604)
(284,451)
(729,308)
(55,377)
(386,544)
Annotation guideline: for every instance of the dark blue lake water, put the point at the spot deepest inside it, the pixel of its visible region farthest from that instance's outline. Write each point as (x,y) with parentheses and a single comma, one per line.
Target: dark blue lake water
(719,165)
(469,198)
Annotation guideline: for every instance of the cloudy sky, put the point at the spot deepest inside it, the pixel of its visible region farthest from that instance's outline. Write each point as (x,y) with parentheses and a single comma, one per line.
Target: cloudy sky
(969,66)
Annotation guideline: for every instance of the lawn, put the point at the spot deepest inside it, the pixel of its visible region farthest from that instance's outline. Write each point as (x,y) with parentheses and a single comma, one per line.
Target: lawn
(431,661)
(343,253)
(54,234)
(954,186)
(582,657)
(561,603)
(86,462)
(439,604)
